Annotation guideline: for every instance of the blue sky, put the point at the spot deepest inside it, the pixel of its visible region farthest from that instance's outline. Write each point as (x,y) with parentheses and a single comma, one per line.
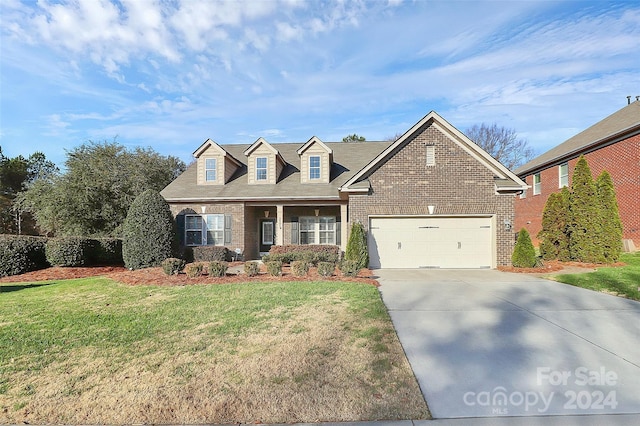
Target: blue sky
(170,74)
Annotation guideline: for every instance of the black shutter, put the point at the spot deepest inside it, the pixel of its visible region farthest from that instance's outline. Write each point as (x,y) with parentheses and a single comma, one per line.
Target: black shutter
(180,228)
(294,231)
(338,234)
(227,228)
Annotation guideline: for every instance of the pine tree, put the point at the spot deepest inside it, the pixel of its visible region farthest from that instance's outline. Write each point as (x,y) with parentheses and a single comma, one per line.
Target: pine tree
(611,225)
(554,240)
(584,225)
(524,255)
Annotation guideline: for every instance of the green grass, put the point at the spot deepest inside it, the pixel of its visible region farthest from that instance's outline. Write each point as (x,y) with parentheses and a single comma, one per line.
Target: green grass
(622,280)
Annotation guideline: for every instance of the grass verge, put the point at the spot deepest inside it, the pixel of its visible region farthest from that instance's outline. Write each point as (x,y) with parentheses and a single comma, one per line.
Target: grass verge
(95,351)
(621,280)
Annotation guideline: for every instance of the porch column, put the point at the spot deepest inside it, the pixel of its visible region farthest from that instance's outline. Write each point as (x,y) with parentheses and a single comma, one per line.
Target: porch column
(344,227)
(279,224)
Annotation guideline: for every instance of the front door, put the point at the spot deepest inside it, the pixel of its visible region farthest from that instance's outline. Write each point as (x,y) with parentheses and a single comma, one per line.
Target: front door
(267,234)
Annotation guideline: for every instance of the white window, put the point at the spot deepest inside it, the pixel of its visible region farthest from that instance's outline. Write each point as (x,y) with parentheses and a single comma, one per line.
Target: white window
(204,230)
(261,168)
(210,168)
(314,167)
(431,155)
(318,230)
(563,174)
(537,185)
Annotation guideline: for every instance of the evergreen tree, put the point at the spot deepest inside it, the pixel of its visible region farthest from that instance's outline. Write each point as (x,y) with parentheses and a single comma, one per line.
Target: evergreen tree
(584,226)
(524,255)
(554,240)
(148,231)
(611,225)
(357,250)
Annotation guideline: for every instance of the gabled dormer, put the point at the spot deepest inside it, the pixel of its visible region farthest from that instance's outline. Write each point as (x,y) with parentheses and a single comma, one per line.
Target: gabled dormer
(215,165)
(264,163)
(315,161)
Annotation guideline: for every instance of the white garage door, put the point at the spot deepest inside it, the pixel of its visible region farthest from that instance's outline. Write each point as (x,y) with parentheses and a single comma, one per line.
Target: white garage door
(430,242)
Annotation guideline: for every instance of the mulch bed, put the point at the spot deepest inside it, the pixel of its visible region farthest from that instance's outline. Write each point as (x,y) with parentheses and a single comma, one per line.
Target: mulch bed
(156,276)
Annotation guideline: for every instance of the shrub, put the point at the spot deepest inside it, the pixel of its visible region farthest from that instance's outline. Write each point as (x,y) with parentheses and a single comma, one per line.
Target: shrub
(194,270)
(20,254)
(106,251)
(68,251)
(524,255)
(148,231)
(173,266)
(357,250)
(611,231)
(350,268)
(299,268)
(210,254)
(310,253)
(218,269)
(585,226)
(326,269)
(554,239)
(274,267)
(251,268)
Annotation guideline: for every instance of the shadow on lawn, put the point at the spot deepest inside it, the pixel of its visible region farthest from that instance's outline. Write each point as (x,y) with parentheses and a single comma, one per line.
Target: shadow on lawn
(22,286)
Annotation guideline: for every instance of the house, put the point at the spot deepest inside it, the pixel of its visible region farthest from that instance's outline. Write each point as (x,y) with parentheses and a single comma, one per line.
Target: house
(432,198)
(612,144)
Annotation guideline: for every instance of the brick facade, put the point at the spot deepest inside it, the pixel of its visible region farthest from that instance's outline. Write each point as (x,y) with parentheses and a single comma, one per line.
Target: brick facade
(457,185)
(621,160)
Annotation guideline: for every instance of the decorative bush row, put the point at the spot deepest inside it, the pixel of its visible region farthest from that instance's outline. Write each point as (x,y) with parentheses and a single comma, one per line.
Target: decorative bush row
(78,251)
(218,268)
(20,254)
(350,268)
(309,253)
(274,267)
(173,266)
(251,268)
(299,268)
(210,254)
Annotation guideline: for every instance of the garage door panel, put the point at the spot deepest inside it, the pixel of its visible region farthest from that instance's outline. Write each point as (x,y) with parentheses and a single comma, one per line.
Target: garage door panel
(424,242)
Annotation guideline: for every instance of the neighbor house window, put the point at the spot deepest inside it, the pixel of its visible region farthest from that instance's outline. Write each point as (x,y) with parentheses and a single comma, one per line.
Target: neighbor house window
(314,167)
(563,171)
(431,155)
(261,168)
(318,230)
(210,169)
(537,186)
(204,230)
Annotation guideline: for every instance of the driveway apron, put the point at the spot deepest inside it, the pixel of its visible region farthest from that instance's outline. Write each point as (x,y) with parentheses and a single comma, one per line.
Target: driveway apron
(485,343)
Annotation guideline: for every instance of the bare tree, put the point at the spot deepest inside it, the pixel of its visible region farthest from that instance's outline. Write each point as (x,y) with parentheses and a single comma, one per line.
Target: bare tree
(501,143)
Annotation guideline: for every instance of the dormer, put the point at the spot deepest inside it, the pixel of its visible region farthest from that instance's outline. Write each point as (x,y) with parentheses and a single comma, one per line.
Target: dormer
(264,163)
(215,165)
(315,161)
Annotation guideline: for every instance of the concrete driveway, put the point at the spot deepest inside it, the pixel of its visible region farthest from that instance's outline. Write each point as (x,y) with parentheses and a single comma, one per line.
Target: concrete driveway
(485,343)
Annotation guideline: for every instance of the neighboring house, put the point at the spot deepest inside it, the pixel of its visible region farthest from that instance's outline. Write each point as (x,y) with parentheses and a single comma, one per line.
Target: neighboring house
(432,198)
(612,144)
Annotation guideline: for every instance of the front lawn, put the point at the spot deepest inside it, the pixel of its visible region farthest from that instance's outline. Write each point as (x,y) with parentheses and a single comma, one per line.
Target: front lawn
(96,351)
(620,280)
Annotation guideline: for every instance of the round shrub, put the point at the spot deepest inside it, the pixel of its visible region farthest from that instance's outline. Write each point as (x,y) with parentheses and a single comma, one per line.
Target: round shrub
(274,268)
(350,268)
(326,269)
(218,269)
(173,266)
(148,231)
(251,269)
(194,270)
(299,268)
(524,255)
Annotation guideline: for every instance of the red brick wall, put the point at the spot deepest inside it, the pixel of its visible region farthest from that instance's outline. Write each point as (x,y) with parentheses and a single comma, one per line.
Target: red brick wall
(457,185)
(621,160)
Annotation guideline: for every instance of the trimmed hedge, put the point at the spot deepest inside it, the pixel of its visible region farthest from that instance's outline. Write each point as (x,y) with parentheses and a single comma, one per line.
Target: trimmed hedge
(173,266)
(210,254)
(309,253)
(274,267)
(217,269)
(299,268)
(326,269)
(350,268)
(106,251)
(251,269)
(20,254)
(194,270)
(68,251)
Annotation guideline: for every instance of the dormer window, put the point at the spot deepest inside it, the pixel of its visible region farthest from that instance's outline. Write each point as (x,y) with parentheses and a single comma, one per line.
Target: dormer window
(314,167)
(211,169)
(261,168)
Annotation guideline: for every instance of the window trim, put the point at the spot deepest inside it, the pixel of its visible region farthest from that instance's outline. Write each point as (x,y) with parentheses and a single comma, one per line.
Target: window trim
(560,175)
(316,232)
(317,168)
(205,228)
(430,155)
(537,186)
(208,169)
(259,169)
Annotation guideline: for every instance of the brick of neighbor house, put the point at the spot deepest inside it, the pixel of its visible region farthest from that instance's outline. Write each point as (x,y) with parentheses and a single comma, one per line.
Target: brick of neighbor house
(612,144)
(452,203)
